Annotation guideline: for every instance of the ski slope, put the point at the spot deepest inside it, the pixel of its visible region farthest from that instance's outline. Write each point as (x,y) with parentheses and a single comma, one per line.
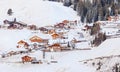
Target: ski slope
(37,12)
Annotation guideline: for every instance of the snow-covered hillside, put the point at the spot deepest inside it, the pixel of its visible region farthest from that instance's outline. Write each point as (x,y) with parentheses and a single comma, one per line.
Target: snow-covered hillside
(38,12)
(108,47)
(105,58)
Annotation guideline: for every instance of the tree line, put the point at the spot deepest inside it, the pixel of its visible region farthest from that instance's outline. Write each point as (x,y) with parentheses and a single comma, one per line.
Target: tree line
(93,10)
(97,9)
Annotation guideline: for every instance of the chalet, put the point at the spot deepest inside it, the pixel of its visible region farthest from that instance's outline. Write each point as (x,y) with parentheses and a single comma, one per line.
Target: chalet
(32,27)
(55,47)
(22,44)
(11,53)
(43,29)
(38,42)
(59,25)
(55,36)
(36,39)
(52,31)
(65,21)
(27,59)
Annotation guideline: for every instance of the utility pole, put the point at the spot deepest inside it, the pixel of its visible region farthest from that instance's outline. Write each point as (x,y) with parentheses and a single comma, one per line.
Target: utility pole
(43,54)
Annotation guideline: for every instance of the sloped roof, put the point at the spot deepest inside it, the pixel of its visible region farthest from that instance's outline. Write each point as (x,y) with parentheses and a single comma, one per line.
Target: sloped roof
(55,45)
(36,39)
(65,21)
(21,42)
(54,36)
